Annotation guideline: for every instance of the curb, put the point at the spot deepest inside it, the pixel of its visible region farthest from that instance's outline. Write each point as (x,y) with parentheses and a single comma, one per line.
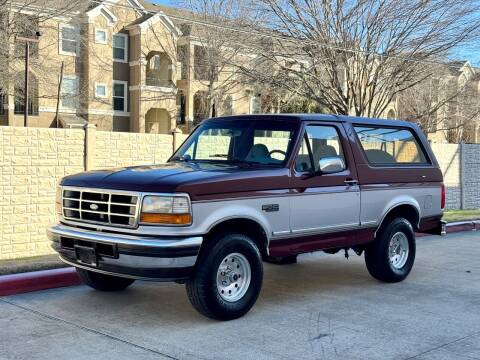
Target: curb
(55,278)
(471,225)
(37,280)
(458,226)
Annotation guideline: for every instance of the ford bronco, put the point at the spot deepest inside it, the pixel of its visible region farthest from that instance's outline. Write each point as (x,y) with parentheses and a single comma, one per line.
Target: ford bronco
(243,189)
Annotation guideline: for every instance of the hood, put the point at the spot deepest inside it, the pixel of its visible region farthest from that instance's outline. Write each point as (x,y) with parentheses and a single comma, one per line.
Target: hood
(197,179)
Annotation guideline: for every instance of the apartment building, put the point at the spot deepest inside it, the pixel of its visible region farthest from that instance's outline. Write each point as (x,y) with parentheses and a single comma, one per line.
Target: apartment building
(448,102)
(121,71)
(130,65)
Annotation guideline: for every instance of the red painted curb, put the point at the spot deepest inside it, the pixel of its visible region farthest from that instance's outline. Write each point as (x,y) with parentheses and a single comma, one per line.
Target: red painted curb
(37,280)
(458,226)
(463,226)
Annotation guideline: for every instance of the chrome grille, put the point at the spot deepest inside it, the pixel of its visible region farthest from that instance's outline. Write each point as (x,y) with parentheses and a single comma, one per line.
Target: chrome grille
(100,206)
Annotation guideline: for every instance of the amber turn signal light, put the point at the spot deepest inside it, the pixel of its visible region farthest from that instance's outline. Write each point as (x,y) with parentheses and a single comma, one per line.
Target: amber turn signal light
(58,208)
(168,219)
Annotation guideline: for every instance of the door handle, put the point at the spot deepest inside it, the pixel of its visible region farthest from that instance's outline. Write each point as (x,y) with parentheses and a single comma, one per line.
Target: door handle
(351,182)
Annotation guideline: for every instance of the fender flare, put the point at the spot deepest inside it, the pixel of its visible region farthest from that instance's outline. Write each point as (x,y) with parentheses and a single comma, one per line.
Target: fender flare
(395,203)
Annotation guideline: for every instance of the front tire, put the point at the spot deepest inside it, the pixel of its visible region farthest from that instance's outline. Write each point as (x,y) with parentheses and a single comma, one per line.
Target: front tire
(103,282)
(391,255)
(228,277)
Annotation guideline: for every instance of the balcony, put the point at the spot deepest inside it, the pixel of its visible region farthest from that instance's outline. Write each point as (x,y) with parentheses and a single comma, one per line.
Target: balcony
(159,72)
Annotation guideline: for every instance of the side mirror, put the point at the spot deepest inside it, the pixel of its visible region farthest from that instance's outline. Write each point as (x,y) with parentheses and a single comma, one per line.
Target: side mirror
(331,165)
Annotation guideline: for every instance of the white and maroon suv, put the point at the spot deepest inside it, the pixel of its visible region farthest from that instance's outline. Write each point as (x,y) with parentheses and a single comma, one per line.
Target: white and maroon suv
(246,188)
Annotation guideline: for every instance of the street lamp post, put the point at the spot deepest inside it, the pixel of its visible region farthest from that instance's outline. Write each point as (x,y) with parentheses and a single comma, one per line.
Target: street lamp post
(27,66)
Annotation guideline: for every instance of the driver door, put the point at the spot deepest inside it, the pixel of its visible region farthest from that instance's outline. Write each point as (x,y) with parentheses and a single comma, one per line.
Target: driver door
(324,202)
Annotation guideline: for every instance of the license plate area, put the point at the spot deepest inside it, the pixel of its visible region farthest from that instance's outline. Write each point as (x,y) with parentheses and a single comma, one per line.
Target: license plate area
(86,255)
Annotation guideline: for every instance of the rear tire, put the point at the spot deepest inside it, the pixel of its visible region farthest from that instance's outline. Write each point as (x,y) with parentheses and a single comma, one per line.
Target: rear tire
(228,277)
(103,282)
(391,255)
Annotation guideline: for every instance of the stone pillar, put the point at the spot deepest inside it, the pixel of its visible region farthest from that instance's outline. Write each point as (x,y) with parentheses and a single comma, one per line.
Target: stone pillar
(90,135)
(175,141)
(10,105)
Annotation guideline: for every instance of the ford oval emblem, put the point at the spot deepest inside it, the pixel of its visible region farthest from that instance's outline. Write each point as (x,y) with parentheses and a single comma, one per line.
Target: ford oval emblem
(93,206)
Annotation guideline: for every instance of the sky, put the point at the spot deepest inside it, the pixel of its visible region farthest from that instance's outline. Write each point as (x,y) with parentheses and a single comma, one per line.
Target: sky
(165,2)
(471,54)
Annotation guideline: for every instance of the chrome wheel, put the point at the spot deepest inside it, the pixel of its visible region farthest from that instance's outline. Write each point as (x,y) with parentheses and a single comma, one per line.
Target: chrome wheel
(233,277)
(398,250)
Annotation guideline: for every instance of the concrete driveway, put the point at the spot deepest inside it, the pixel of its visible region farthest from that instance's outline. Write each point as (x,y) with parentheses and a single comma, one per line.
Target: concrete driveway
(324,307)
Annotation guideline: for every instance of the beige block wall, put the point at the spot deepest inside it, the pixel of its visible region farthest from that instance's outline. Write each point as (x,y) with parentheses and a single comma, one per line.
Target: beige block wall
(123,149)
(32,161)
(449,159)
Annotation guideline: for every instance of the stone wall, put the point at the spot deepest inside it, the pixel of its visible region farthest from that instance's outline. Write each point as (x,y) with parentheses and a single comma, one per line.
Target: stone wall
(32,161)
(460,164)
(115,149)
(471,176)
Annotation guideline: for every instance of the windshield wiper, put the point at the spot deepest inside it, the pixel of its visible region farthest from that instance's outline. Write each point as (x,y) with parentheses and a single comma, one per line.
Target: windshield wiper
(219,155)
(252,162)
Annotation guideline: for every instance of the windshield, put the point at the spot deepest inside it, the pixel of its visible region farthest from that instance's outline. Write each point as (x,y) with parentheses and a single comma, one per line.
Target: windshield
(249,141)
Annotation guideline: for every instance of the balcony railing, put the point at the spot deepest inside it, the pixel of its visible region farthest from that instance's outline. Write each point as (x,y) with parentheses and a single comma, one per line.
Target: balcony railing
(32,108)
(153,81)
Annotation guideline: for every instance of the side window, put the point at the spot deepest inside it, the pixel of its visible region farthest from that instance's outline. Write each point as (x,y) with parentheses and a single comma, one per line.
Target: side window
(390,146)
(318,142)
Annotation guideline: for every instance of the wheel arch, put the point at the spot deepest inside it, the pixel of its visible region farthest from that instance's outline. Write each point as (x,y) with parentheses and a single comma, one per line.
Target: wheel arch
(407,210)
(243,225)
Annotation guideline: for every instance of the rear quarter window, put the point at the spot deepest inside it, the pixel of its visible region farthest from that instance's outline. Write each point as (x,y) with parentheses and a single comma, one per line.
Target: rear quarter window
(390,146)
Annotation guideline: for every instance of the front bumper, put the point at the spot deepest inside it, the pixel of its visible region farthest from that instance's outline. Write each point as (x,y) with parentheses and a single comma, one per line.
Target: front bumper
(139,257)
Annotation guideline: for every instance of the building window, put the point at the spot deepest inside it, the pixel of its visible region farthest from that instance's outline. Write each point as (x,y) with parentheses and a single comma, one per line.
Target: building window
(69,92)
(120,47)
(100,90)
(100,36)
(120,96)
(182,57)
(3,102)
(203,67)
(155,62)
(227,105)
(68,39)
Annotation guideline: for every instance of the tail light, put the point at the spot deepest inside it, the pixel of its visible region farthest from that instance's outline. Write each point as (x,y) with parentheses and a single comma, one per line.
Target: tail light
(442,201)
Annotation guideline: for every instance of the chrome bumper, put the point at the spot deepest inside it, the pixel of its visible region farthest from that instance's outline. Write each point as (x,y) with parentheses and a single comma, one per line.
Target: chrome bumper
(134,256)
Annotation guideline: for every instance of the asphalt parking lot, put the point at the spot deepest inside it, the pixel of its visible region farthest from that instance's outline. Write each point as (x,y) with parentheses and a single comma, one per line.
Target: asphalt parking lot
(324,307)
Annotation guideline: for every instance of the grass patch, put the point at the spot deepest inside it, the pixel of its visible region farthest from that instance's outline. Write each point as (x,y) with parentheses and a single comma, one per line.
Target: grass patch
(460,215)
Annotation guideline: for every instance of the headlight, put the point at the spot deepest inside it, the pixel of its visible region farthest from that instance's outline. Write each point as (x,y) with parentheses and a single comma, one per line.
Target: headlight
(167,210)
(58,200)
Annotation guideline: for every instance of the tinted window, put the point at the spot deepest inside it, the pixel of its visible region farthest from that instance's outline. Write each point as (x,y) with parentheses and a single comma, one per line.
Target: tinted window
(318,142)
(387,146)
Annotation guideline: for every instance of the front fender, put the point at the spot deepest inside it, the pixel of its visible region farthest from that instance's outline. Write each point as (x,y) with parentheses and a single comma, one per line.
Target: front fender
(210,214)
